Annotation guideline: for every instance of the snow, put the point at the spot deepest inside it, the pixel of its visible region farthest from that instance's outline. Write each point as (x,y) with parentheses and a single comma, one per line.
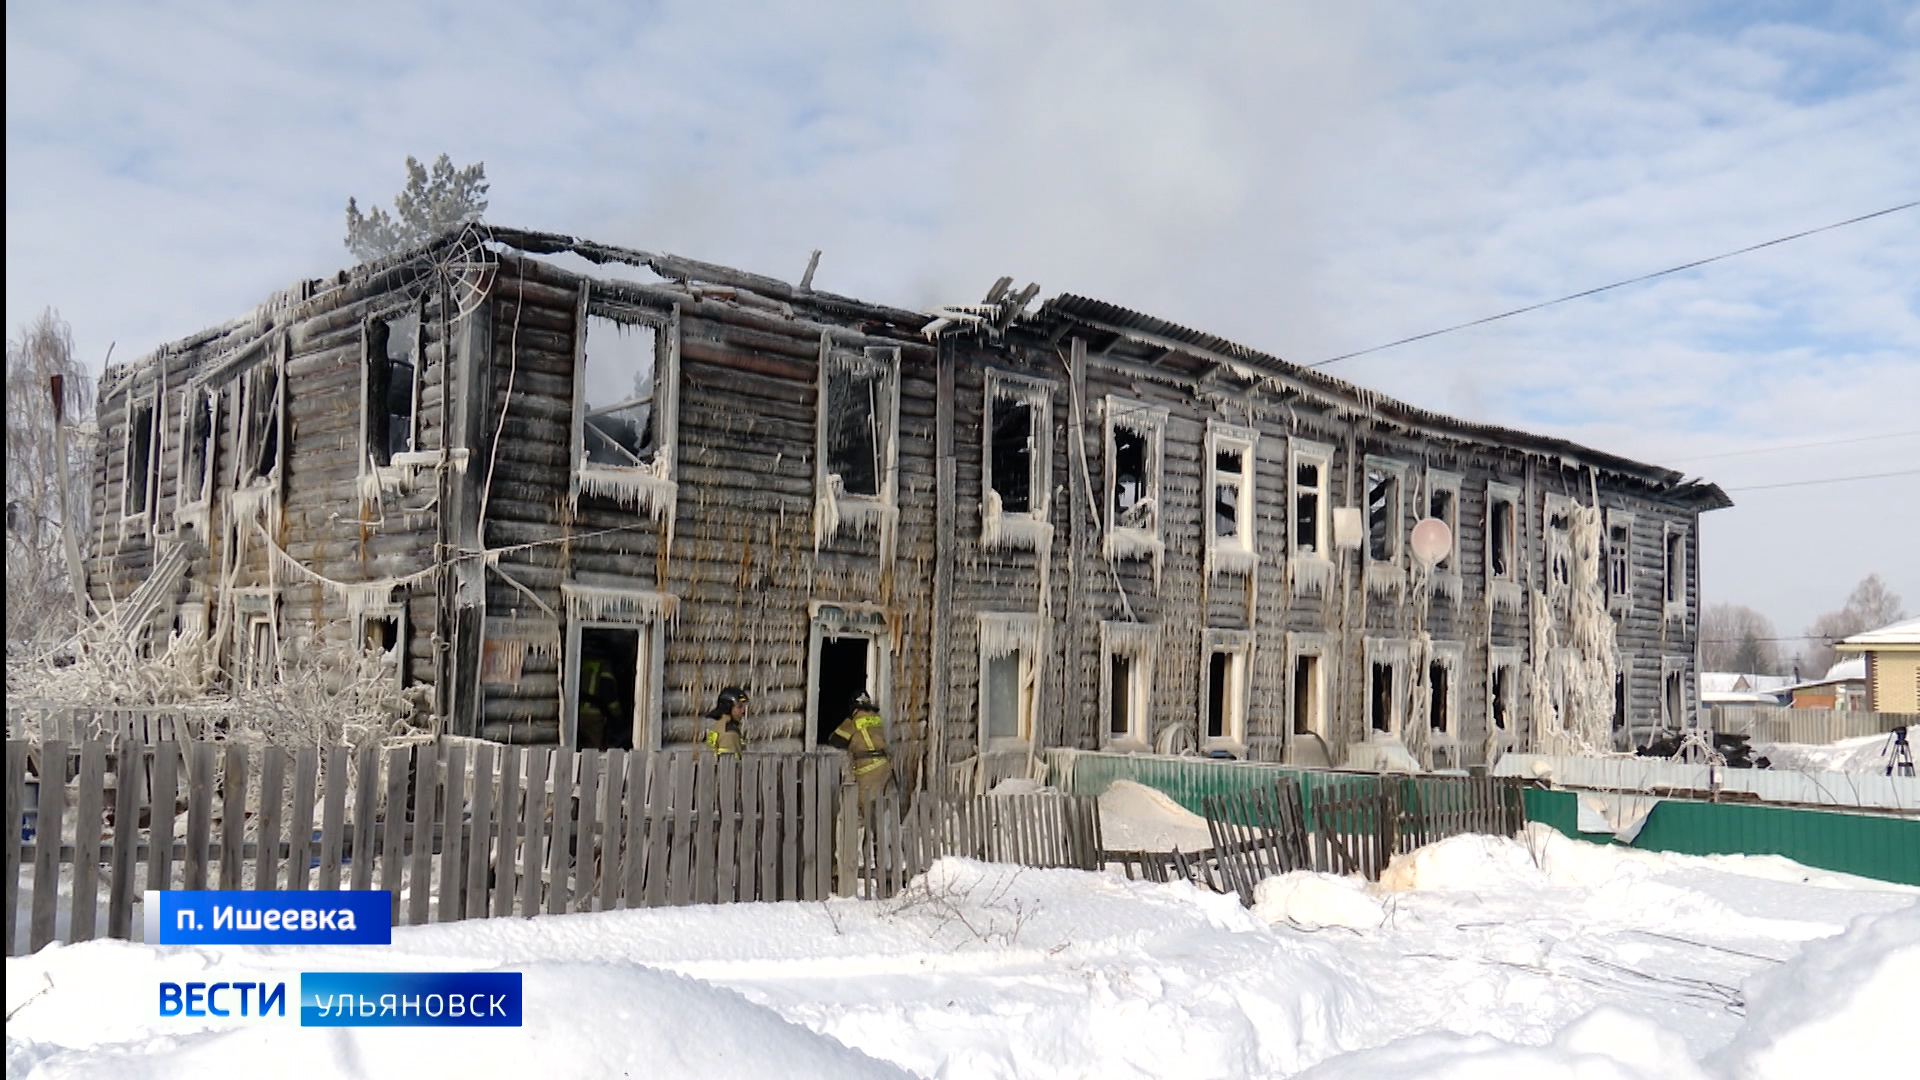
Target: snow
(1479,956)
(1866,754)
(1135,817)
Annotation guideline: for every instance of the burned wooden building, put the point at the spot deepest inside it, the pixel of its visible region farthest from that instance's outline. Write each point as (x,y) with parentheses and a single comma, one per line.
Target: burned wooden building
(570,491)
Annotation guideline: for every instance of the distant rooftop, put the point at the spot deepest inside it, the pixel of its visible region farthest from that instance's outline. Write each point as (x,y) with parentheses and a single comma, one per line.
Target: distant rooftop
(1901,635)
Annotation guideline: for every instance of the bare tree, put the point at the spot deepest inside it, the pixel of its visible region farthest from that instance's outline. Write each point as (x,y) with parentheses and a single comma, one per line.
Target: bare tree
(40,601)
(1734,637)
(1870,606)
(430,204)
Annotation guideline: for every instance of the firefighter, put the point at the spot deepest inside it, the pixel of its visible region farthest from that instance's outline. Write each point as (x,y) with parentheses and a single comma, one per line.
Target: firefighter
(723,731)
(864,735)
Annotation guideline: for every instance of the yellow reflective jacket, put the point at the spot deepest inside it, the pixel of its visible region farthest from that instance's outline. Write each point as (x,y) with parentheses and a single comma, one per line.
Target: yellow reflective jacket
(864,734)
(724,740)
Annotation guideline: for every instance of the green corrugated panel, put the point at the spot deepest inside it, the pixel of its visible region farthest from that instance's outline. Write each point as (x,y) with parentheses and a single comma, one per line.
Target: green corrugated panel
(1887,848)
(1560,809)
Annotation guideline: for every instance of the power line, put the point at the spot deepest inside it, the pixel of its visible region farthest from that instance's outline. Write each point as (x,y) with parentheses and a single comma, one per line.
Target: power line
(1797,446)
(1618,284)
(1827,480)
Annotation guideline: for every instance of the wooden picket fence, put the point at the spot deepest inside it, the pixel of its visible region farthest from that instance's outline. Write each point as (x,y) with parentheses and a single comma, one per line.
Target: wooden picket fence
(454,829)
(1347,825)
(1034,829)
(141,723)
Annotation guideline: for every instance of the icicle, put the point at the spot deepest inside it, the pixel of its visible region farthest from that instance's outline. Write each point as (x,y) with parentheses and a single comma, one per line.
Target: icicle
(1385,579)
(1311,574)
(634,488)
(593,603)
(1004,635)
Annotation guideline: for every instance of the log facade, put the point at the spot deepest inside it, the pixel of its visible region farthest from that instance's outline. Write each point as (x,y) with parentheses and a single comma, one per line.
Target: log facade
(571,491)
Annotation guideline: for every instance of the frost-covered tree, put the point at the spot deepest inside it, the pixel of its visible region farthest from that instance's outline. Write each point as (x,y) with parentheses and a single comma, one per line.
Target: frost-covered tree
(1870,606)
(39,596)
(1734,637)
(431,203)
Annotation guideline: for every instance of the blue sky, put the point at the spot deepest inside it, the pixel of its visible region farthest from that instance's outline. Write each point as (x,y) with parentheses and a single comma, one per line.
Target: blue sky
(1309,179)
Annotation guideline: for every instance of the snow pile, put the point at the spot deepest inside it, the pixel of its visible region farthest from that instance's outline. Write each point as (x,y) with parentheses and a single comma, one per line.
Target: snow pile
(1840,1008)
(1313,900)
(582,1019)
(1468,861)
(1866,754)
(1606,1044)
(1544,957)
(1135,817)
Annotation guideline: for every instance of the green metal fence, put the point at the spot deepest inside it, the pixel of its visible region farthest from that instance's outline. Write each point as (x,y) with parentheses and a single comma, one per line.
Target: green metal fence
(1876,846)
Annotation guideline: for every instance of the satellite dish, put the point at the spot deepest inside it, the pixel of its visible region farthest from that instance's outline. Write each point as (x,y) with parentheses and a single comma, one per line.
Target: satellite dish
(1432,540)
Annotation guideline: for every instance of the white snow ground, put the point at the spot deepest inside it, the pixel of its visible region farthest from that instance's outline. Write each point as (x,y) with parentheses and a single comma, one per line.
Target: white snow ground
(1478,956)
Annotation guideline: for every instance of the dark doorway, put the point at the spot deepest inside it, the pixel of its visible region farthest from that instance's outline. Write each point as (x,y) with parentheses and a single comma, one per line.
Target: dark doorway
(609,663)
(1119,696)
(1437,702)
(843,676)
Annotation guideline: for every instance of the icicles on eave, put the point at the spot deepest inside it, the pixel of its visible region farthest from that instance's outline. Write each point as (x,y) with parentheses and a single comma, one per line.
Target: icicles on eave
(1004,635)
(834,510)
(1311,575)
(594,603)
(1385,579)
(1505,595)
(1447,585)
(1124,543)
(633,488)
(1230,560)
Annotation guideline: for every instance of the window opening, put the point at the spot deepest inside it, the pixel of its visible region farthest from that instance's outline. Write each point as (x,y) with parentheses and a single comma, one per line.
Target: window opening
(1119,696)
(1442,505)
(1380,697)
(1307,502)
(844,676)
(258,663)
(1006,711)
(1500,552)
(607,688)
(380,634)
(389,382)
(1307,706)
(617,389)
(854,442)
(1438,703)
(1501,697)
(1619,559)
(138,479)
(1226,493)
(1129,475)
(1219,671)
(1559,546)
(1676,583)
(1013,454)
(1676,699)
(1383,515)
(195,445)
(1620,699)
(262,430)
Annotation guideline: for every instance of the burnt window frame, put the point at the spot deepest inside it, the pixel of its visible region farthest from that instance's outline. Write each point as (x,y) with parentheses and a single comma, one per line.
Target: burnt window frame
(1451,656)
(1236,554)
(1149,422)
(1030,528)
(1619,557)
(848,507)
(1675,558)
(643,611)
(1512,660)
(146,456)
(1320,648)
(1029,636)
(1139,645)
(1237,708)
(649,486)
(1395,654)
(376,355)
(1396,526)
(1438,481)
(206,450)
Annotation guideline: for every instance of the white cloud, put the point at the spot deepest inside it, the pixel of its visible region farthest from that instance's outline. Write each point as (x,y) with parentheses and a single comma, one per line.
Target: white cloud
(1309,179)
